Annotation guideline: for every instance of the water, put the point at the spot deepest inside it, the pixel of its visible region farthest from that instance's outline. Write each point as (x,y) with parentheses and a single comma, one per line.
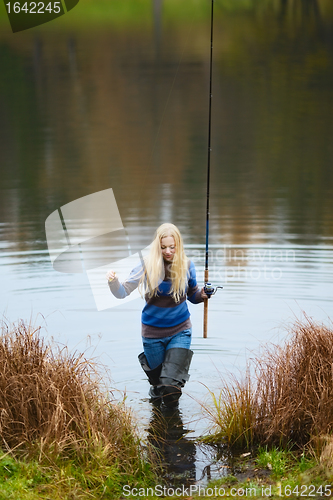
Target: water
(86,107)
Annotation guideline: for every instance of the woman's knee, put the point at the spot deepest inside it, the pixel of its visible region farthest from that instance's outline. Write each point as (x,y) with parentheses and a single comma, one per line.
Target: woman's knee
(154,351)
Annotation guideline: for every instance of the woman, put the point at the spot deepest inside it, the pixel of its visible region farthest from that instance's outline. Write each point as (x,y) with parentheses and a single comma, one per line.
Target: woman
(165,278)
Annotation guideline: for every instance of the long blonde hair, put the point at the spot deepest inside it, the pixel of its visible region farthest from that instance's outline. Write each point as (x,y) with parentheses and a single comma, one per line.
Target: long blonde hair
(153,273)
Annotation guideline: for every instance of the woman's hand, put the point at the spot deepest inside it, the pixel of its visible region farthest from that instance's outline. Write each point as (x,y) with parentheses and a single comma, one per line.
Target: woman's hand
(203,294)
(110,275)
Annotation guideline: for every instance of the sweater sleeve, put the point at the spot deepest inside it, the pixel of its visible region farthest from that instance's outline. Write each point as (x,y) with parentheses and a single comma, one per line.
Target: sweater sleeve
(193,292)
(122,290)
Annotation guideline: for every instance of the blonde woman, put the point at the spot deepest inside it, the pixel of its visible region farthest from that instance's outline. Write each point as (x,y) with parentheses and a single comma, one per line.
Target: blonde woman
(166,278)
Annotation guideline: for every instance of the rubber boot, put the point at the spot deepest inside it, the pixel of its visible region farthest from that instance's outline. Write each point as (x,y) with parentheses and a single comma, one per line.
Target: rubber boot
(174,374)
(153,377)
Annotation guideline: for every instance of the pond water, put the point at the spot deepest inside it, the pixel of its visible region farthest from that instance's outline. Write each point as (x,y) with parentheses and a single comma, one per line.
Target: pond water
(123,104)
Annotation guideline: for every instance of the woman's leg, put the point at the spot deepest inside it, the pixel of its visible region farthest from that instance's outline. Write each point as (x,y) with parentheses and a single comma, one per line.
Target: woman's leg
(181,339)
(174,373)
(154,350)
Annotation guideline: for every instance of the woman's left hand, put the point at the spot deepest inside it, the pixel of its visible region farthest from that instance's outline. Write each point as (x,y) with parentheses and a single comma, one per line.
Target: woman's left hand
(203,294)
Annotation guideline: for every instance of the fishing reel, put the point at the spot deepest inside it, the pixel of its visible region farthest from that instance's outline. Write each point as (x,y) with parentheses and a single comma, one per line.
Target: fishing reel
(210,289)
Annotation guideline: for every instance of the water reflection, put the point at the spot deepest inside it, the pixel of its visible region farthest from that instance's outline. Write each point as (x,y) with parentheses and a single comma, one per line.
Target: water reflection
(76,118)
(185,461)
(177,453)
(157,14)
(301,10)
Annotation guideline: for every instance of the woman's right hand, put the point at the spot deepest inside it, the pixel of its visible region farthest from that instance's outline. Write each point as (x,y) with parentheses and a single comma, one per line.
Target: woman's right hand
(110,275)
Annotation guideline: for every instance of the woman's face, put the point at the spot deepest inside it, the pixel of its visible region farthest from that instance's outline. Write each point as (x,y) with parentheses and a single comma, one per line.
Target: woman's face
(168,248)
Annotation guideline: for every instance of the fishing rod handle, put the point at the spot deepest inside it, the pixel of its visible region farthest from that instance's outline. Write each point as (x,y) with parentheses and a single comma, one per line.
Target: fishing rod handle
(205,323)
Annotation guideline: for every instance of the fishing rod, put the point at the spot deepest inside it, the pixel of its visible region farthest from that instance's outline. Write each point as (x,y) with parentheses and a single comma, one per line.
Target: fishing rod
(208,286)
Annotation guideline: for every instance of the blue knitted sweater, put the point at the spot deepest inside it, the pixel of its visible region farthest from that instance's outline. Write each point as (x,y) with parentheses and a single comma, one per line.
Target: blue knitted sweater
(161,316)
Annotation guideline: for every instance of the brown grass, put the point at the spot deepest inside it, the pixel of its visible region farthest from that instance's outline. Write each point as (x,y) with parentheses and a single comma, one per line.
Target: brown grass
(290,398)
(54,399)
(295,386)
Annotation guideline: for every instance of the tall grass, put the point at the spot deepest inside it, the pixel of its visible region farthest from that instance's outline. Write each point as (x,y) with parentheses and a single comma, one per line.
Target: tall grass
(232,412)
(53,406)
(289,396)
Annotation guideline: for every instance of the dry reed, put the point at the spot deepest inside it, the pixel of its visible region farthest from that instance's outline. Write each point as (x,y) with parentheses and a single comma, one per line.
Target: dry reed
(53,399)
(290,398)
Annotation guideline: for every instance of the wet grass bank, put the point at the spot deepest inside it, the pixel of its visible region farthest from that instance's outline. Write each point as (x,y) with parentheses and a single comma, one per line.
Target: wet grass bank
(270,473)
(285,397)
(62,433)
(273,473)
(278,419)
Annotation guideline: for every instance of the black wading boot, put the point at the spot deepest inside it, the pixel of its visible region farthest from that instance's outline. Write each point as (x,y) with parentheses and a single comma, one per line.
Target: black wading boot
(153,377)
(174,374)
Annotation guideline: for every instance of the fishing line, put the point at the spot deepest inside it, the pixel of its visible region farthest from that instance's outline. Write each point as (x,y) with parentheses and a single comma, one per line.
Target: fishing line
(168,98)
